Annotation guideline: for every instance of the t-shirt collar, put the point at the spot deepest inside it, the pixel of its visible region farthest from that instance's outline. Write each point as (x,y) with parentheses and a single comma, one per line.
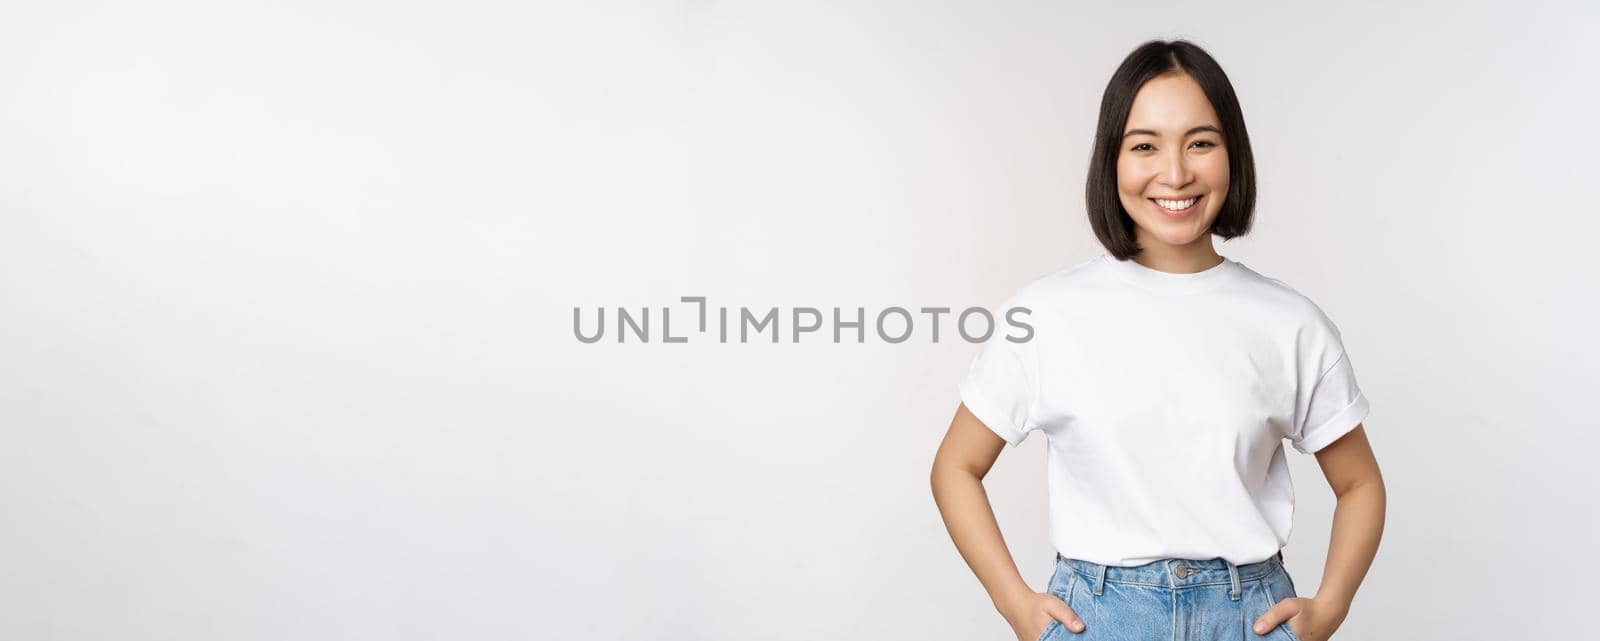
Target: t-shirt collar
(1154,279)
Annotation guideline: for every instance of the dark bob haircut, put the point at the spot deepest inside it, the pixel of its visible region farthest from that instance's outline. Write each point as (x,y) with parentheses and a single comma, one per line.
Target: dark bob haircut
(1106,215)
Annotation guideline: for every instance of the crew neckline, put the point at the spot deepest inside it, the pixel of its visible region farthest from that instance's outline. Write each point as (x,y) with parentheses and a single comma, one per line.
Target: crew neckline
(1154,279)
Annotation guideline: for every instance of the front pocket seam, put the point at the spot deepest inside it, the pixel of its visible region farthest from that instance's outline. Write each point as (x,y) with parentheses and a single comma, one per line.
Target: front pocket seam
(1054,622)
(1273,601)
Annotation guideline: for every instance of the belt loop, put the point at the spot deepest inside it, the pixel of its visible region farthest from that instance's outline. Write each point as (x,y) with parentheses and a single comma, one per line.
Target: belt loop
(1233,578)
(1100,582)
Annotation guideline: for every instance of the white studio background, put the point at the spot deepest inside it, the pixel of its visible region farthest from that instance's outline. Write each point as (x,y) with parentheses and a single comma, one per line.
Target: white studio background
(286,293)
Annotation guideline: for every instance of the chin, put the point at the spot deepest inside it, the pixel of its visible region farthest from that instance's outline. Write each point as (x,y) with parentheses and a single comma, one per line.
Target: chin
(1179,237)
(1179,242)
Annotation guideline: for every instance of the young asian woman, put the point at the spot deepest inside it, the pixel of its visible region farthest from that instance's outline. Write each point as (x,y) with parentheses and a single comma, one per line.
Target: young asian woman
(1166,378)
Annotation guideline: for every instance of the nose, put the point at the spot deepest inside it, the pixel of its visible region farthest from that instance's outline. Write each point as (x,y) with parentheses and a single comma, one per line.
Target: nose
(1175,173)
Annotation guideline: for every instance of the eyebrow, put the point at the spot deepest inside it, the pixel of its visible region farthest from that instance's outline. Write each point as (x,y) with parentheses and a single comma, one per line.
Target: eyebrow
(1191,132)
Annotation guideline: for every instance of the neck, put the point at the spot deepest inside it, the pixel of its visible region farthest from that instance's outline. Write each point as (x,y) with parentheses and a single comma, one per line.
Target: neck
(1197,256)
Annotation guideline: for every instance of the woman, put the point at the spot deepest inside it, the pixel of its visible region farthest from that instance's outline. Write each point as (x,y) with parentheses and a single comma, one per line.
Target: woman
(1165,378)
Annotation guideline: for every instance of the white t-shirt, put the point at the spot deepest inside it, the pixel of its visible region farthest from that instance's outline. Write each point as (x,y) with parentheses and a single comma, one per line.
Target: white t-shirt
(1165,399)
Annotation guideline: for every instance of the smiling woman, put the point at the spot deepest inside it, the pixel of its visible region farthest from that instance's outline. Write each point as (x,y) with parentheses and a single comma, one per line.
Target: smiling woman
(1172,172)
(1170,130)
(1166,378)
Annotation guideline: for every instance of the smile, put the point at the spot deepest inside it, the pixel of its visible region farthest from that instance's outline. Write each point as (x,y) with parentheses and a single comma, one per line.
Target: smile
(1177,207)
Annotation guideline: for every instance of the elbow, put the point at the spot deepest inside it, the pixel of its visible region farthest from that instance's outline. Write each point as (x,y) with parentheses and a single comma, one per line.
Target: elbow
(938,474)
(946,472)
(1362,486)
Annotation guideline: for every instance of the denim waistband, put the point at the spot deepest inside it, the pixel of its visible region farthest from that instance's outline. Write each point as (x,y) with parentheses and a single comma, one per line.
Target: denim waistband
(1172,573)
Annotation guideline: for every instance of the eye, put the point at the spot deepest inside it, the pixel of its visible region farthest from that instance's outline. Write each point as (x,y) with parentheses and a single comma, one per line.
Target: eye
(1206,143)
(1138,146)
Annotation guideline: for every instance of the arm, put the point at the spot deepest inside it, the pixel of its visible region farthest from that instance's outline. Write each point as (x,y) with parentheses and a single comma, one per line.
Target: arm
(965,456)
(1352,471)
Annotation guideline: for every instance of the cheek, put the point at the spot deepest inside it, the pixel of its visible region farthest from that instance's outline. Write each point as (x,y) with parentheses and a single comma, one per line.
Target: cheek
(1130,177)
(1215,171)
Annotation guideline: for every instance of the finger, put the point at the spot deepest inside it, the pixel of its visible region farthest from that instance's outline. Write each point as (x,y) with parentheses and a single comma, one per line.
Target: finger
(1066,616)
(1275,615)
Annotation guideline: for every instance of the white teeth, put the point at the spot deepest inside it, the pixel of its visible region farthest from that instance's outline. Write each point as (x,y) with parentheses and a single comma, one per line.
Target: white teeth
(1176,205)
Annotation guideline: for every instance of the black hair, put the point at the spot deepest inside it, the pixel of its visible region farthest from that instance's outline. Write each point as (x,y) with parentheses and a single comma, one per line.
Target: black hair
(1110,221)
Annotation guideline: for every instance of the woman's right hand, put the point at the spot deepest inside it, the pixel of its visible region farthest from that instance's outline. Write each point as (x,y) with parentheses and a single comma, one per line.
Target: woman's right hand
(1031,613)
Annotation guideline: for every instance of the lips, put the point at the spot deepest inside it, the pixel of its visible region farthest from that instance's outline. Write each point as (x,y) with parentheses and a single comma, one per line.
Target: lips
(1177,207)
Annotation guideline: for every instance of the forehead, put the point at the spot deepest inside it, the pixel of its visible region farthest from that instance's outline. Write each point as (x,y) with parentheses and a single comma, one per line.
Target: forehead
(1170,103)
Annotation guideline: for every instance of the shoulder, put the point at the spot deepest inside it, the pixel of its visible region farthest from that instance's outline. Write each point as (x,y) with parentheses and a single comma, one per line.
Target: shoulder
(1288,304)
(1061,284)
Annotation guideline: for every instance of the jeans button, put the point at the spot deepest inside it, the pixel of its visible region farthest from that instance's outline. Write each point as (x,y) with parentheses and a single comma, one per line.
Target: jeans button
(1181,569)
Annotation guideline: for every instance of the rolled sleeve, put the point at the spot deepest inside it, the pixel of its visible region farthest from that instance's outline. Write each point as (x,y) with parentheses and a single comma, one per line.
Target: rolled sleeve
(1000,388)
(1336,407)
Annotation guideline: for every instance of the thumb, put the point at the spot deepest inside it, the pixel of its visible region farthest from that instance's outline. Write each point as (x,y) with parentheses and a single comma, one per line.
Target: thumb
(1065,615)
(1277,614)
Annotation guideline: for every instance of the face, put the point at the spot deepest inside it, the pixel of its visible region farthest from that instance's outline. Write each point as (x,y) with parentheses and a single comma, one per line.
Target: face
(1172,151)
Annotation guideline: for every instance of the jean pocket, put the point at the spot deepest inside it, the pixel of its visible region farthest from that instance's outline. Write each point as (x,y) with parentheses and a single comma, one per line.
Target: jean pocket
(1049,630)
(1280,587)
(1063,592)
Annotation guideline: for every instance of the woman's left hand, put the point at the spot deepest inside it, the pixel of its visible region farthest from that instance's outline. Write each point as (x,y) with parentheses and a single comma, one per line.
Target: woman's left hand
(1309,619)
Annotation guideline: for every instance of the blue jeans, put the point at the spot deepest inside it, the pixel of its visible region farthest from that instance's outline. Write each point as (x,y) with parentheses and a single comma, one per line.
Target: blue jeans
(1171,599)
